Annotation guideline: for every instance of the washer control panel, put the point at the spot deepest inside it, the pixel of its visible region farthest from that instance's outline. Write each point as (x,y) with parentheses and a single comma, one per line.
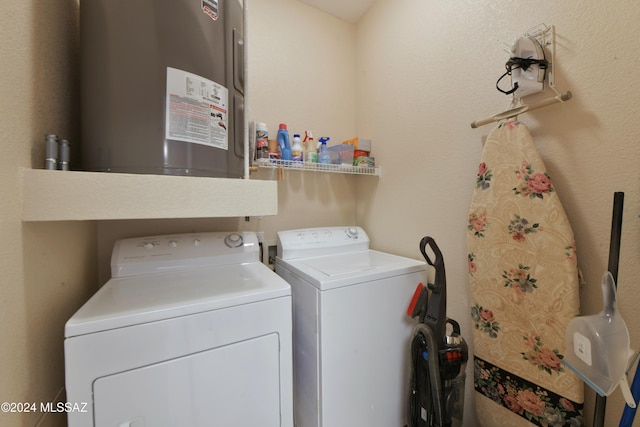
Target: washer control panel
(321,241)
(179,252)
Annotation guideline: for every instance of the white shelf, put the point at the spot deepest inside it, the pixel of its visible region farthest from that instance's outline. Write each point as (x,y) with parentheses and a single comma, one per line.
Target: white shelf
(317,167)
(68,196)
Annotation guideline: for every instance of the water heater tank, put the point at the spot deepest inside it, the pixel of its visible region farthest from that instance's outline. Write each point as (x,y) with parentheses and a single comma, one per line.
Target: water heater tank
(162,86)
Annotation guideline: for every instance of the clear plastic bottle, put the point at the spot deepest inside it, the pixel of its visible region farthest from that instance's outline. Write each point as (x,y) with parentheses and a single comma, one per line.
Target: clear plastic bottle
(324,157)
(296,149)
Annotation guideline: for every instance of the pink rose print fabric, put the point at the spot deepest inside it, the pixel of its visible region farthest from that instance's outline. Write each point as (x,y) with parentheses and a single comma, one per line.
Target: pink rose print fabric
(523,279)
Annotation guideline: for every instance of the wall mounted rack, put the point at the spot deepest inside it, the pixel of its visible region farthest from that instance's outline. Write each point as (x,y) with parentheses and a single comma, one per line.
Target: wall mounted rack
(545,36)
(317,167)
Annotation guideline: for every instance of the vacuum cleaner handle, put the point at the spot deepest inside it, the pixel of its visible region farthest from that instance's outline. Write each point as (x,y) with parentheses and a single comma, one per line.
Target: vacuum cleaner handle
(437,263)
(436,315)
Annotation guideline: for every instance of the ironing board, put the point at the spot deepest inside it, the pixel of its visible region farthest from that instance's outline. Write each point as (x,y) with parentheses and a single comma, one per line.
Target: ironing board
(523,280)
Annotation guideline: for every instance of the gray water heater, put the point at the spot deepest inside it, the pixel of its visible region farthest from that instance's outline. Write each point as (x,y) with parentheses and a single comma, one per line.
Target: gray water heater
(162,86)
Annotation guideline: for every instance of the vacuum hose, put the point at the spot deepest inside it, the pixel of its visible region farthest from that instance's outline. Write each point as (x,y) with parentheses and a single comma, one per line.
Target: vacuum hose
(434,379)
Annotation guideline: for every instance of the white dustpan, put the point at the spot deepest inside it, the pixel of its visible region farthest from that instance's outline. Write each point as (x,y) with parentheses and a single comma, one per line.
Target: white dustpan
(597,346)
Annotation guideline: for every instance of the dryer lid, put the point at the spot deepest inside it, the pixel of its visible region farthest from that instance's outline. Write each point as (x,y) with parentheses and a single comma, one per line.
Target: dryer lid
(129,301)
(334,271)
(350,263)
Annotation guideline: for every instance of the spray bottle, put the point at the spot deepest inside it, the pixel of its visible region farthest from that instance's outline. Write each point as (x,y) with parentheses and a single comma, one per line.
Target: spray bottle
(323,152)
(283,142)
(310,153)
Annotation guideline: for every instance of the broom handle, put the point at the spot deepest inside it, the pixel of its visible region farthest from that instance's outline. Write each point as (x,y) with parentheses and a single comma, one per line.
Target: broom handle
(616,234)
(629,413)
(614,258)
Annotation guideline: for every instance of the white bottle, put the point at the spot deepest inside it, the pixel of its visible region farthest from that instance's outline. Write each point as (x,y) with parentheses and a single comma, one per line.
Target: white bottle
(296,149)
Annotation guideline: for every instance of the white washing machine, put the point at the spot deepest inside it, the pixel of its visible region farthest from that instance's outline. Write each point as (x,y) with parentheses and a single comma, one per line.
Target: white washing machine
(351,334)
(191,330)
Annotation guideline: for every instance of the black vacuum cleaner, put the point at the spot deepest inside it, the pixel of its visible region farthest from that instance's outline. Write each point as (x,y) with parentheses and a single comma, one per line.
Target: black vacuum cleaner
(439,354)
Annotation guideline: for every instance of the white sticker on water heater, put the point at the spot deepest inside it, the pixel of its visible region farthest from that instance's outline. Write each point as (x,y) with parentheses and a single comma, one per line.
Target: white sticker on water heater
(197,110)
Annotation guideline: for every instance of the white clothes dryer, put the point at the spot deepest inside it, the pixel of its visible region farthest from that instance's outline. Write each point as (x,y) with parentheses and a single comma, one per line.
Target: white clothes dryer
(191,330)
(351,335)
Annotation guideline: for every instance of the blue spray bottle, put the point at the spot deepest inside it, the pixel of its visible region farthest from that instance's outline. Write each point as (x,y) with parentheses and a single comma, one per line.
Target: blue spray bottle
(324,157)
(283,142)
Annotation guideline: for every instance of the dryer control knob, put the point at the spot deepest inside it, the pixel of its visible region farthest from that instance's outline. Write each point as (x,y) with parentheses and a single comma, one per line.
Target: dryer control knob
(233,240)
(352,232)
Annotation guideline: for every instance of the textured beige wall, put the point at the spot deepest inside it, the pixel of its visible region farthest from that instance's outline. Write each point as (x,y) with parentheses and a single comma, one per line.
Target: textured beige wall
(411,74)
(427,69)
(48,269)
(301,64)
(12,311)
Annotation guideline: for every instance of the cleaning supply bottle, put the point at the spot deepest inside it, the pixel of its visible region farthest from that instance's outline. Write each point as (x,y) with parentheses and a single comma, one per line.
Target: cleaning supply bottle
(262,142)
(310,153)
(323,152)
(296,149)
(283,142)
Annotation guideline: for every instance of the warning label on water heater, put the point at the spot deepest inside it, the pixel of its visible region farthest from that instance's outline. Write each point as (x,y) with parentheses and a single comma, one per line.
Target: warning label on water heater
(197,110)
(210,7)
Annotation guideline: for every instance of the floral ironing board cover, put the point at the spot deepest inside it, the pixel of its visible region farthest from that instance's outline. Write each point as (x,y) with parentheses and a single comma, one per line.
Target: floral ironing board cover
(524,281)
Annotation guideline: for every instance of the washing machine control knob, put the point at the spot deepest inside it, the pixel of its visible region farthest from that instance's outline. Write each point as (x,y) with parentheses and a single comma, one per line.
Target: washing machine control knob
(148,245)
(173,244)
(233,240)
(352,232)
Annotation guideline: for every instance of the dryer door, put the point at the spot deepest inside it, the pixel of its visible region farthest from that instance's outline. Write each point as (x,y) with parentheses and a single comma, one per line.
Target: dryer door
(225,386)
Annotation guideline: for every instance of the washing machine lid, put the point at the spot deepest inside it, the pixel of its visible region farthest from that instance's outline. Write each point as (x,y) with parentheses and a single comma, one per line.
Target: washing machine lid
(129,301)
(344,269)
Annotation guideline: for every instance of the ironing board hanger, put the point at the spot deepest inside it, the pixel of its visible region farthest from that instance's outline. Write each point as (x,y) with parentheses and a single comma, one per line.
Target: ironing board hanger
(529,47)
(514,112)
